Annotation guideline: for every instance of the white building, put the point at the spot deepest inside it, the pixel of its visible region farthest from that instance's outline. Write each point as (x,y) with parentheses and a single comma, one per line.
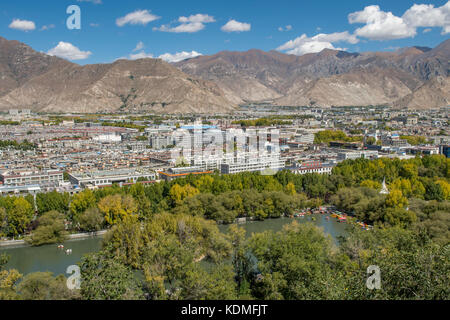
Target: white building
(353,155)
(109,137)
(25,178)
(109,177)
(312,167)
(254,164)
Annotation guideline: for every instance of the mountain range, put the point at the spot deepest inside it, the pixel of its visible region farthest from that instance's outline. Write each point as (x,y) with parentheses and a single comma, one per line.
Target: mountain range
(36,81)
(415,77)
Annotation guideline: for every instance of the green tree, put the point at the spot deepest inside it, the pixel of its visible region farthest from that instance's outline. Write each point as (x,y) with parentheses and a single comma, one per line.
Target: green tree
(54,200)
(43,286)
(19,216)
(91,220)
(51,229)
(103,277)
(8,280)
(412,267)
(117,208)
(296,264)
(81,202)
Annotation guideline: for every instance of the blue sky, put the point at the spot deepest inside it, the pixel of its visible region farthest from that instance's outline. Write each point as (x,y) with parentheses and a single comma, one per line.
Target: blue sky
(112,29)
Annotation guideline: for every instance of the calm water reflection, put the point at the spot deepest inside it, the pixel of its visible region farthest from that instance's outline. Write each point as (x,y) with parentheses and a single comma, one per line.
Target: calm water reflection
(50,258)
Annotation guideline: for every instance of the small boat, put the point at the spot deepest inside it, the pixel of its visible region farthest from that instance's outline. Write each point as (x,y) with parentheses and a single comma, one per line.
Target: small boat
(69,251)
(60,246)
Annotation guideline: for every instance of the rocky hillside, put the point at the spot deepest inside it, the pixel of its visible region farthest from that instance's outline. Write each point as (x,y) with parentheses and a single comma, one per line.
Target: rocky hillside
(327,78)
(19,63)
(415,77)
(43,83)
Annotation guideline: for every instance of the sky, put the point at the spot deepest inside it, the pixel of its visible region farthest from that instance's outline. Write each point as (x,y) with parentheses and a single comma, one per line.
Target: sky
(177,29)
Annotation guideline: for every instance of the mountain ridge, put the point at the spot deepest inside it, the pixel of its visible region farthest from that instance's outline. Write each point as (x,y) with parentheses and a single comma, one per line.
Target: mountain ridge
(56,85)
(255,75)
(411,77)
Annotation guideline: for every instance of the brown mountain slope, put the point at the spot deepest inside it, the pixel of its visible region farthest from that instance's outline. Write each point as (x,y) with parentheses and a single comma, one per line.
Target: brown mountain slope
(433,94)
(363,87)
(141,85)
(326,78)
(19,63)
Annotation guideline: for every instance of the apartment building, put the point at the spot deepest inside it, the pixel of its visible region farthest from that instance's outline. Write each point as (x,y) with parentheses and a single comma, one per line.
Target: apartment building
(353,155)
(254,164)
(24,178)
(109,177)
(312,167)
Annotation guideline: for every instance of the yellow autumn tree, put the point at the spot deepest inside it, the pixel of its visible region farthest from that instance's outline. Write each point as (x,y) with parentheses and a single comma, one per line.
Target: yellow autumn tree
(290,189)
(445,186)
(178,193)
(395,199)
(117,208)
(371,184)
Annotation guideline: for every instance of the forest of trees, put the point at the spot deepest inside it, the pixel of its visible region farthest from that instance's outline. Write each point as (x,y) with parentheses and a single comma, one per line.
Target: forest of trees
(13,144)
(328,136)
(168,233)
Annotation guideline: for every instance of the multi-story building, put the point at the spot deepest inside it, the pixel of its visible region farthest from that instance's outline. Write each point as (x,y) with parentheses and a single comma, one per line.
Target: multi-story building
(352,155)
(312,167)
(254,164)
(109,177)
(25,178)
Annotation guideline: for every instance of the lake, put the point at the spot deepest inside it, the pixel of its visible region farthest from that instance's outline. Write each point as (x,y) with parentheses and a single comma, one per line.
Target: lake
(50,258)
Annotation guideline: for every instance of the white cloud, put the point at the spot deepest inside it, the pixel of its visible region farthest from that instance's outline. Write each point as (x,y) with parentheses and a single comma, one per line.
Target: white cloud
(197,18)
(171,58)
(50,26)
(305,44)
(23,25)
(140,45)
(191,24)
(182,28)
(427,30)
(179,56)
(422,15)
(380,25)
(68,51)
(236,26)
(287,28)
(93,1)
(142,17)
(140,55)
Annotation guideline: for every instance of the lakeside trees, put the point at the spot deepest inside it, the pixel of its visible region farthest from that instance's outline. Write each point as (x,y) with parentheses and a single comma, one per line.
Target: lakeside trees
(167,235)
(353,187)
(50,229)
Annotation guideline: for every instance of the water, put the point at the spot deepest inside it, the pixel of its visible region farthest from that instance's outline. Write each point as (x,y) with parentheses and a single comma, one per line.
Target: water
(331,227)
(50,258)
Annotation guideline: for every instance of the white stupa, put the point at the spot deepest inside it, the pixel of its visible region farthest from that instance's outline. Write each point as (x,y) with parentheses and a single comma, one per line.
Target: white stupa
(384,188)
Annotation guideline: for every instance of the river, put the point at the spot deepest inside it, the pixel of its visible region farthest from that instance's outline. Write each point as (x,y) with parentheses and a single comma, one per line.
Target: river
(50,258)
